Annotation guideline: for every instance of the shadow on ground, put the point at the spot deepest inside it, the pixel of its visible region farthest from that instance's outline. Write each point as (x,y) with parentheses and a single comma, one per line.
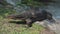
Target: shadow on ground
(18,22)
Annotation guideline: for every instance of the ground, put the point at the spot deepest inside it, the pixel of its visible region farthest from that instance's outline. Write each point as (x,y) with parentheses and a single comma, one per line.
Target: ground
(13,28)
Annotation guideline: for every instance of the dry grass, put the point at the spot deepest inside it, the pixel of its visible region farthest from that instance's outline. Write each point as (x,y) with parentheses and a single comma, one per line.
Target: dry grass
(12,28)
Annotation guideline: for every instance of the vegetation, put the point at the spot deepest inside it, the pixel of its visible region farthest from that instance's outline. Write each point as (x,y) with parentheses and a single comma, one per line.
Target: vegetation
(5,12)
(11,28)
(34,3)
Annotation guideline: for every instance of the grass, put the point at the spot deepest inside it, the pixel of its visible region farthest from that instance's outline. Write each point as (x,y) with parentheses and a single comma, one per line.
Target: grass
(12,28)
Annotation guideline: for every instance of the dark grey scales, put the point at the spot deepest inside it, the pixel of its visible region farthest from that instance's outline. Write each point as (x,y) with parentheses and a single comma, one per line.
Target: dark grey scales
(32,16)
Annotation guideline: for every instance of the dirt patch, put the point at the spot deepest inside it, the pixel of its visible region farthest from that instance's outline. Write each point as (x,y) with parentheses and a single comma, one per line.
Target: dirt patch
(46,31)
